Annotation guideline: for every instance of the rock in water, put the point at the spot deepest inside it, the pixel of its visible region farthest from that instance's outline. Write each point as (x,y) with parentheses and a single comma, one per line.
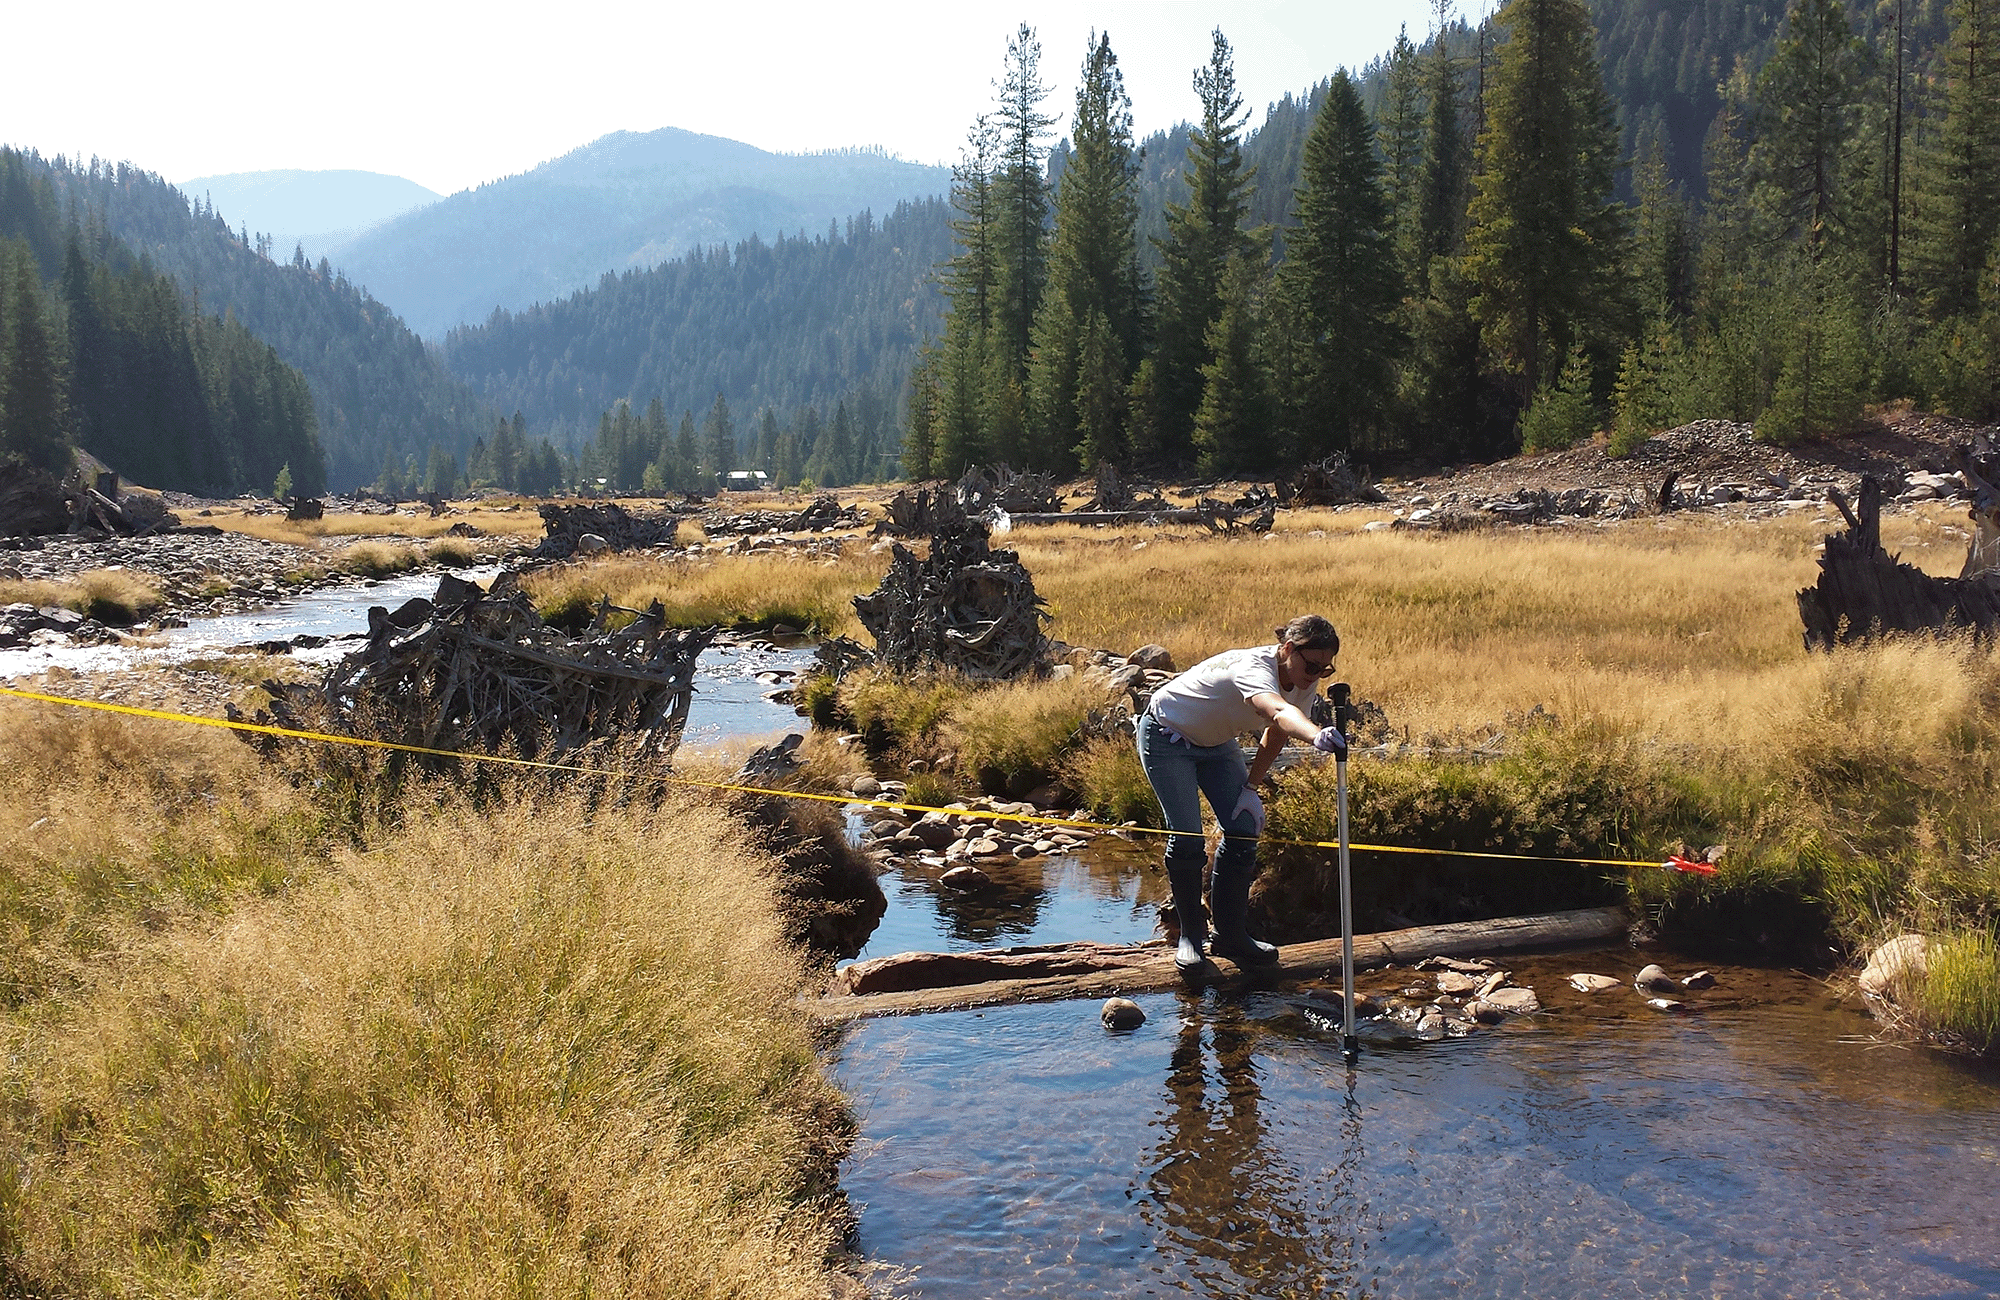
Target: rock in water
(1586,983)
(965,876)
(1122,1013)
(1701,979)
(1450,981)
(1519,1002)
(1665,1004)
(1896,961)
(1654,980)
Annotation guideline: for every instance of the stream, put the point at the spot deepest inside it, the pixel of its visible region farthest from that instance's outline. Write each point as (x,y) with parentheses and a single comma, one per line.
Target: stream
(1763,1145)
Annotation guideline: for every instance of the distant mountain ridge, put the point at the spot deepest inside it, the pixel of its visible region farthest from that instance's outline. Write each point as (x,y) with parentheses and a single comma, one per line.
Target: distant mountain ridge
(626,201)
(316,210)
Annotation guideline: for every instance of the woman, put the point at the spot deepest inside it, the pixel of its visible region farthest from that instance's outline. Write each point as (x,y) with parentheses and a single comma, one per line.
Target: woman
(1187,745)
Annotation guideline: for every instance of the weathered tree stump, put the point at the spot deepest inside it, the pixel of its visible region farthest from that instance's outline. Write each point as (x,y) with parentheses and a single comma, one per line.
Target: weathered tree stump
(1864,593)
(564,526)
(963,607)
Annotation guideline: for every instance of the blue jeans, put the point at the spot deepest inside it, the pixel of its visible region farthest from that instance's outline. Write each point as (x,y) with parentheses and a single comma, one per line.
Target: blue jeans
(1180,773)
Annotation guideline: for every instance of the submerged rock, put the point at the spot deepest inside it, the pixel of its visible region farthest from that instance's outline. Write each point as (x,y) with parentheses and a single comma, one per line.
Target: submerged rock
(1122,1013)
(1652,979)
(1515,1001)
(1701,979)
(1583,982)
(965,876)
(1666,1004)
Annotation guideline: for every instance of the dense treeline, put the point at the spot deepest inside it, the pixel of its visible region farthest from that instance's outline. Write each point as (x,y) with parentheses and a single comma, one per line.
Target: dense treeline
(800,321)
(1456,274)
(100,350)
(377,391)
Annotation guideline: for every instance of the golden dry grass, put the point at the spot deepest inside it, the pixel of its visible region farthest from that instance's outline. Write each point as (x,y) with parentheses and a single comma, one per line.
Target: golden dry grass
(729,591)
(108,595)
(537,1049)
(378,559)
(493,520)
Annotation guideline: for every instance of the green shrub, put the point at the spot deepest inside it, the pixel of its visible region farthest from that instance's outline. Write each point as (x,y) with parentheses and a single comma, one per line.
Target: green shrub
(1564,414)
(1960,998)
(819,695)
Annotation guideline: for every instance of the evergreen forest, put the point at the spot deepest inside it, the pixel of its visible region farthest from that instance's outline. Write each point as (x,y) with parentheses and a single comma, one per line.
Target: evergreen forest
(100,350)
(1784,214)
(377,391)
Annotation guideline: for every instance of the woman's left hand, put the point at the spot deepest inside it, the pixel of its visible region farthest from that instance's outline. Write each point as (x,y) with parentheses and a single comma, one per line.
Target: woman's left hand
(1250,803)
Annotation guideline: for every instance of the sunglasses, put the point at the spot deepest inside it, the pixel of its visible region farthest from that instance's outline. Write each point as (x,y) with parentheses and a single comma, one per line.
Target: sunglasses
(1323,668)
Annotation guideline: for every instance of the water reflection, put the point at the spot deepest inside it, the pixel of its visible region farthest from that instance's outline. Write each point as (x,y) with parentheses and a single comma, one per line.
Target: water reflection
(1229,1209)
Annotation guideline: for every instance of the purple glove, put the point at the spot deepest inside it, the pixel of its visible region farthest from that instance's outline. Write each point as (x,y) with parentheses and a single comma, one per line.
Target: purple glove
(1330,741)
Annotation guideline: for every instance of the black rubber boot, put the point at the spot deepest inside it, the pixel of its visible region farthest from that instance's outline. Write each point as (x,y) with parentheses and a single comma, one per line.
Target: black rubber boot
(1189,956)
(1231,891)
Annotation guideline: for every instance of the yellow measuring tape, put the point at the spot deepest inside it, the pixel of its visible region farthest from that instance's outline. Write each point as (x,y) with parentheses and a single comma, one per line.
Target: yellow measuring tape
(292,733)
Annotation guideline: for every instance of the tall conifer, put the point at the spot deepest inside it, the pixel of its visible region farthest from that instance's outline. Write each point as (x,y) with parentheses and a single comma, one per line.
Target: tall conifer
(1202,235)
(1344,278)
(1545,238)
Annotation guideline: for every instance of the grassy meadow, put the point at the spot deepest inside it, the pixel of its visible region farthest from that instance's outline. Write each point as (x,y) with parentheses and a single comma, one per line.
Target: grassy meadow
(1628,691)
(254,1047)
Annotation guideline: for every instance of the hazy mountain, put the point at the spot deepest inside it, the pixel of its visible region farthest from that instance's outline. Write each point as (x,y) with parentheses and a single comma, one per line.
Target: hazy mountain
(627,201)
(315,209)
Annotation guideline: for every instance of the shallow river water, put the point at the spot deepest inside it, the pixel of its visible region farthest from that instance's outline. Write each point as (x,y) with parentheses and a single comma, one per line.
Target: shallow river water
(1763,1145)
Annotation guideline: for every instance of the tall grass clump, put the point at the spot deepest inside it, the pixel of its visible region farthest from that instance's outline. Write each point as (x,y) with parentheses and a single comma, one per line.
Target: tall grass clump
(535,1047)
(742,592)
(452,552)
(379,559)
(1109,783)
(1017,735)
(896,710)
(114,596)
(1959,995)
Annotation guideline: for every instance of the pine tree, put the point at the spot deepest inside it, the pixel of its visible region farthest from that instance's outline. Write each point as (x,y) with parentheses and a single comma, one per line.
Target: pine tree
(1967,161)
(1202,234)
(718,442)
(34,403)
(1401,144)
(1344,278)
(687,457)
(1020,199)
(1093,266)
(921,417)
(1545,240)
(1809,103)
(1232,430)
(1442,184)
(1100,396)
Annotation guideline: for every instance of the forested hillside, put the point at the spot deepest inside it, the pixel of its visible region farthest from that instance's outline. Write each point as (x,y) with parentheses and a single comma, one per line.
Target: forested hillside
(375,387)
(1811,227)
(799,320)
(100,350)
(628,201)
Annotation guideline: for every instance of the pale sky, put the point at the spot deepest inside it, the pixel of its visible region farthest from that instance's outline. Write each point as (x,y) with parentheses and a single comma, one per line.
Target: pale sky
(452,94)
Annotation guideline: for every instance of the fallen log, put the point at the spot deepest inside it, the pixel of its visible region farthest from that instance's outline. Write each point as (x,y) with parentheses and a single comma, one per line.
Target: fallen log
(909,984)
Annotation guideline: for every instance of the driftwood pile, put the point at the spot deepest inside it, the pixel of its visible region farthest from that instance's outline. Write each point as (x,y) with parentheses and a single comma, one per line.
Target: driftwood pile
(566,526)
(981,491)
(1329,482)
(34,504)
(921,511)
(964,607)
(824,512)
(1864,593)
(469,671)
(1113,496)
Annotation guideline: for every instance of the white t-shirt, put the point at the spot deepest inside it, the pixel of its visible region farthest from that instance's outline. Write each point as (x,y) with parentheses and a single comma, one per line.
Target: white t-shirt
(1210,702)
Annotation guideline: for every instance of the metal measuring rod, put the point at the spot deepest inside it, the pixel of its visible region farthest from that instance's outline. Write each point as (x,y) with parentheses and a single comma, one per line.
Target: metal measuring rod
(1342,696)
